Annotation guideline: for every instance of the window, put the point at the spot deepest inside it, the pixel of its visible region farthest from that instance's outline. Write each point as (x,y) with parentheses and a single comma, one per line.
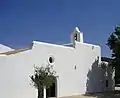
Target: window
(92,47)
(75,67)
(106,83)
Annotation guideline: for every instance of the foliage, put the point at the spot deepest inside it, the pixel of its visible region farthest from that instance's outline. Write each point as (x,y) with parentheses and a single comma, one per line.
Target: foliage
(43,77)
(114,45)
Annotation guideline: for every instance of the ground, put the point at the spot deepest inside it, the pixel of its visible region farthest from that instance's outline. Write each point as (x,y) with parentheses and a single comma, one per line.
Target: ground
(114,94)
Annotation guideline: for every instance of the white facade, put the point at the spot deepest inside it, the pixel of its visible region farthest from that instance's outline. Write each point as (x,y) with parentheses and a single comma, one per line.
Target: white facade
(77,65)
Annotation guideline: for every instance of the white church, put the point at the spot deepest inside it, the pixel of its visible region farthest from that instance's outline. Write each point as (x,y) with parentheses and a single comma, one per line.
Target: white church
(78,65)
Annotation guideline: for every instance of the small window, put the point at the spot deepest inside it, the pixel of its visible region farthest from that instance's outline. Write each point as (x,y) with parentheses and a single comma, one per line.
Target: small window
(92,47)
(106,83)
(51,60)
(75,67)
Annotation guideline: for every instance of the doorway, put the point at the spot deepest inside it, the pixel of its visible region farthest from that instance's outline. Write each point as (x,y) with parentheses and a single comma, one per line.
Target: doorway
(52,91)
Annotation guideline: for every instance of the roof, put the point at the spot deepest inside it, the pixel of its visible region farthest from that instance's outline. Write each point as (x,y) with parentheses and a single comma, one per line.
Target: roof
(18,50)
(4,48)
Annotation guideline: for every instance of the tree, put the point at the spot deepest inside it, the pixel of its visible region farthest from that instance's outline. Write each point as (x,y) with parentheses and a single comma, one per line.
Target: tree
(114,45)
(43,77)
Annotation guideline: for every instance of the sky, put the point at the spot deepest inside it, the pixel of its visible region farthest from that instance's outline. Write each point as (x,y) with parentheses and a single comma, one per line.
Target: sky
(22,21)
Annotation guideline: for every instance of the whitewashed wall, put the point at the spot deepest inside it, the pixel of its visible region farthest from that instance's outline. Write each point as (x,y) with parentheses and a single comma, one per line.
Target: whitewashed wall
(15,69)
(14,73)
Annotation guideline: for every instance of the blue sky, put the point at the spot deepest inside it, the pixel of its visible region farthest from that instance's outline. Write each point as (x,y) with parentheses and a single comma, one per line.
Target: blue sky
(22,21)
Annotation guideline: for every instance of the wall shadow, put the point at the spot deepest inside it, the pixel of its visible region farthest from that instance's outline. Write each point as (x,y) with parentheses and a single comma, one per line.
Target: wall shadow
(96,82)
(95,78)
